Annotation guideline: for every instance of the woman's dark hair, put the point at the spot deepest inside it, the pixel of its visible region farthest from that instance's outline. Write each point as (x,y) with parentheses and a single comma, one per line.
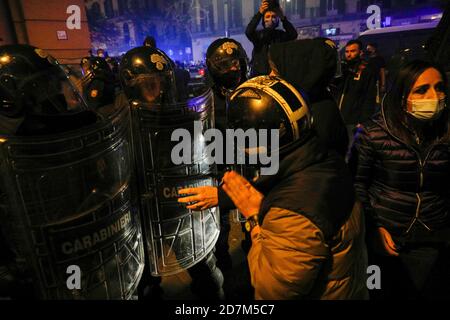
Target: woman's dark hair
(395,99)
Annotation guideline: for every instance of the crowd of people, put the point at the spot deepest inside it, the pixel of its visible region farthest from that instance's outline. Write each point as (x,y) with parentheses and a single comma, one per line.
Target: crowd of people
(364,173)
(310,237)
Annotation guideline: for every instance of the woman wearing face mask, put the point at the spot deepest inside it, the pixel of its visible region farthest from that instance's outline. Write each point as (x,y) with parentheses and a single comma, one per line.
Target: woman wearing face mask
(401,163)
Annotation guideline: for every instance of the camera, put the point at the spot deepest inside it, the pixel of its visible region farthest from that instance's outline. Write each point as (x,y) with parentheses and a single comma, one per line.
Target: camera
(273,4)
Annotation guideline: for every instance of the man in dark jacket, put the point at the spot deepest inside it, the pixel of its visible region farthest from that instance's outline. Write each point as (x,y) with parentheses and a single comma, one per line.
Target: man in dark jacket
(357,88)
(263,39)
(310,65)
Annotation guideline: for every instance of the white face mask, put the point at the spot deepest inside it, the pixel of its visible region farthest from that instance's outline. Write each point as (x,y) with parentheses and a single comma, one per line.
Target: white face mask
(271,23)
(426,109)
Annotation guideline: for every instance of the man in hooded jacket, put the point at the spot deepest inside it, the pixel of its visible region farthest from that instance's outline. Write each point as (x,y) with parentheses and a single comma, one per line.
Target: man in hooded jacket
(309,65)
(307,230)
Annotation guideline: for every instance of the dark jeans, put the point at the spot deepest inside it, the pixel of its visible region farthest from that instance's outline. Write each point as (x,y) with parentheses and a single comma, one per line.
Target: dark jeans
(421,271)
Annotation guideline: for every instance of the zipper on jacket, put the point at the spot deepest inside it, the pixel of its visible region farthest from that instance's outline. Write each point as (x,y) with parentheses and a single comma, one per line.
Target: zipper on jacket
(420,175)
(416,216)
(422,165)
(419,199)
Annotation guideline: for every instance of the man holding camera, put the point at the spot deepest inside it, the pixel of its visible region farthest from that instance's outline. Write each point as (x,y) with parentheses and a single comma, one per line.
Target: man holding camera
(270,13)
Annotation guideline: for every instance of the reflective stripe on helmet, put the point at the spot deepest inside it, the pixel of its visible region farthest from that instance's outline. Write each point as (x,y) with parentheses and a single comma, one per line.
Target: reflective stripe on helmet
(268,85)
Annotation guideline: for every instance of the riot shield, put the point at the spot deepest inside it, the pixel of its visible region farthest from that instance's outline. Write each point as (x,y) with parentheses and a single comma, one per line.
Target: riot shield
(177,237)
(67,206)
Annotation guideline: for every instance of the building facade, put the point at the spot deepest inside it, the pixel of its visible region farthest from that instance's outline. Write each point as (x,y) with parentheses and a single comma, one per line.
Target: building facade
(119,25)
(340,20)
(184,28)
(58,26)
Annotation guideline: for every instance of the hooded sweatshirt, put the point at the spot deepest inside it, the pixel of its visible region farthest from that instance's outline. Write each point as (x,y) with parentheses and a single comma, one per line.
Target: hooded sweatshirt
(309,65)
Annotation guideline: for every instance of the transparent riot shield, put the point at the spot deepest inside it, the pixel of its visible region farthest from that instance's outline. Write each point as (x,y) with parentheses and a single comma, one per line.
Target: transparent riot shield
(177,237)
(67,205)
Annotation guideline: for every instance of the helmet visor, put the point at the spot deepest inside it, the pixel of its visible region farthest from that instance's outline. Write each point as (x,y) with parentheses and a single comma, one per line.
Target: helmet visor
(152,88)
(225,64)
(50,92)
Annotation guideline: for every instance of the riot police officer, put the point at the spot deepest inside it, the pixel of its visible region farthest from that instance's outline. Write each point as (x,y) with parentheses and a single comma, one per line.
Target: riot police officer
(97,82)
(66,200)
(227,64)
(177,238)
(227,68)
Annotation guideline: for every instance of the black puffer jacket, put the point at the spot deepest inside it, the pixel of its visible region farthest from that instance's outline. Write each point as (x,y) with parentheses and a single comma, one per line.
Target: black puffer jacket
(404,187)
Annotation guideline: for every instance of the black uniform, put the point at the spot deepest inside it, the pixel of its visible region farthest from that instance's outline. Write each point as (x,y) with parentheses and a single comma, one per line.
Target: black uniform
(98,82)
(227,69)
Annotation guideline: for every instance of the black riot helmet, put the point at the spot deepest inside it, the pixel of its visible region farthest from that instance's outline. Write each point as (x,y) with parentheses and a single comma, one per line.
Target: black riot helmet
(267,102)
(36,96)
(95,67)
(147,76)
(97,83)
(227,63)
